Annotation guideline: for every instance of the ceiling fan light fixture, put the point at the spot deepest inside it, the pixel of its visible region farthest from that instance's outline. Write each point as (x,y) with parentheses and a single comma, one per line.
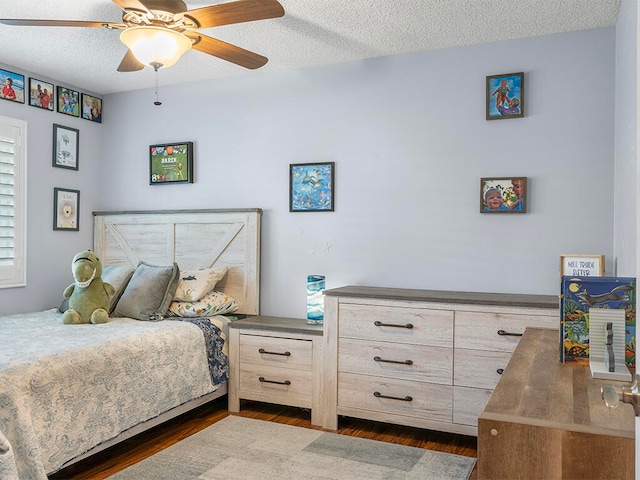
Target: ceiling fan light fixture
(155,46)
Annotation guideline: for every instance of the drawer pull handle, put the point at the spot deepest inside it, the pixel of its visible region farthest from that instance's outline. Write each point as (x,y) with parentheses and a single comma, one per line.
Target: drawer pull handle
(401,362)
(378,323)
(264,380)
(509,334)
(285,354)
(500,371)
(402,399)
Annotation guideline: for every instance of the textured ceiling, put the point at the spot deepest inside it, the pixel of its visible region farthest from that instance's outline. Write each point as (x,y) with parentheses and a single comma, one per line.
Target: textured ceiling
(312,32)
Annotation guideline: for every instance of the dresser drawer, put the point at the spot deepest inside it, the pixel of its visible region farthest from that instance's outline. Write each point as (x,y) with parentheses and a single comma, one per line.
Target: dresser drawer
(428,401)
(418,326)
(276,351)
(468,404)
(396,360)
(479,368)
(281,382)
(479,330)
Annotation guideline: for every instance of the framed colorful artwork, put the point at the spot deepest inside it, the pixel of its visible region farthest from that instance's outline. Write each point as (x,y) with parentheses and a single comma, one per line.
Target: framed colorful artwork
(171,163)
(311,187)
(41,94)
(68,101)
(66,209)
(66,142)
(505,96)
(503,195)
(12,86)
(91,108)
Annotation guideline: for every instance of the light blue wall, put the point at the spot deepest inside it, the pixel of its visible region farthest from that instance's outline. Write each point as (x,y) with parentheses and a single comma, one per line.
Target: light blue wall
(626,127)
(410,142)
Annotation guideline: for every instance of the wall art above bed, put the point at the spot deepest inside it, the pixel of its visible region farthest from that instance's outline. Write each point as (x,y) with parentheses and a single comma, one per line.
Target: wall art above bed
(171,163)
(311,187)
(66,209)
(503,195)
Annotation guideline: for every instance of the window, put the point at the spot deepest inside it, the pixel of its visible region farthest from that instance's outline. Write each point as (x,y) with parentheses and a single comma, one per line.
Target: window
(13,202)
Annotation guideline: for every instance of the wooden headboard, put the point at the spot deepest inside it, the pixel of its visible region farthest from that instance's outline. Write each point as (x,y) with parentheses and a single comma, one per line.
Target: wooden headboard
(194,239)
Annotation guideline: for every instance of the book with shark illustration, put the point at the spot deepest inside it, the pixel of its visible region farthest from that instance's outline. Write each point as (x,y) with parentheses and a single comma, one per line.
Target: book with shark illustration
(578,295)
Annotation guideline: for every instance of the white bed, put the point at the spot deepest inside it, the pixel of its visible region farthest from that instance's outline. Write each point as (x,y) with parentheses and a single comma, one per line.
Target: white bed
(69,391)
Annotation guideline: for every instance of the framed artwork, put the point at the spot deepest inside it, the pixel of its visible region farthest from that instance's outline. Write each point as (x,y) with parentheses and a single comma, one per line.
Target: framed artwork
(582,265)
(171,163)
(503,195)
(68,101)
(12,86)
(505,96)
(91,108)
(66,141)
(66,209)
(311,187)
(41,94)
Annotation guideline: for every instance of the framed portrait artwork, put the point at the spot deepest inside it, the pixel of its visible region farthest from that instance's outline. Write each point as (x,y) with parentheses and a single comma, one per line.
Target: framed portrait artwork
(12,86)
(66,209)
(41,94)
(91,108)
(171,163)
(503,195)
(582,265)
(66,146)
(68,101)
(311,187)
(505,96)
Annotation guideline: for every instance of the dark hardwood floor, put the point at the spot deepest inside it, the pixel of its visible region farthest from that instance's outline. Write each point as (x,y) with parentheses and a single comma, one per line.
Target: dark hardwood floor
(131,451)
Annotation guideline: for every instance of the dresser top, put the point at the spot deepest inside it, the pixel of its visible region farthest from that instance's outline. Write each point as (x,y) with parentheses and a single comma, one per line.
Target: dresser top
(277,324)
(443,296)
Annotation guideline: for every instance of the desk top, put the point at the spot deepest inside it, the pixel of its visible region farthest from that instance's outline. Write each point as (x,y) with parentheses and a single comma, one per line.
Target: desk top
(536,389)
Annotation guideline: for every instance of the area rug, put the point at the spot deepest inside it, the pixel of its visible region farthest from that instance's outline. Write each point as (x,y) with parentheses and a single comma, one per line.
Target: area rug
(245,449)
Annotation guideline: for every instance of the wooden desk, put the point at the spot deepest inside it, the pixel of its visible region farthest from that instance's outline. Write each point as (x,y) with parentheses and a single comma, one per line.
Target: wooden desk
(547,420)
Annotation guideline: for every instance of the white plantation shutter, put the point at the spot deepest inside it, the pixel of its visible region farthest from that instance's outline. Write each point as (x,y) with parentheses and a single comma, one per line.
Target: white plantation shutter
(13,211)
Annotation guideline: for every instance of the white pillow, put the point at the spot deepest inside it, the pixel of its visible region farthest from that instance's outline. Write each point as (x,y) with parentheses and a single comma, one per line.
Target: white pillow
(195,284)
(214,303)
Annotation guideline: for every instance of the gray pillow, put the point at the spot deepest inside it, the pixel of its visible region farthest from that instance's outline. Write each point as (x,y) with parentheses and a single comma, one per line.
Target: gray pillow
(149,292)
(118,277)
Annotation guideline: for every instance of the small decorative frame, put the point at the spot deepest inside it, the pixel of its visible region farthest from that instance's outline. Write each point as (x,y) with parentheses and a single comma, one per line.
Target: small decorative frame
(12,86)
(68,101)
(582,265)
(311,187)
(66,147)
(66,209)
(41,94)
(503,195)
(505,96)
(91,108)
(171,163)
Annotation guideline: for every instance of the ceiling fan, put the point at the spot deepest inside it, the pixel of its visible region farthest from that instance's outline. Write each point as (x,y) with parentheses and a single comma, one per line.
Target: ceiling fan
(158,32)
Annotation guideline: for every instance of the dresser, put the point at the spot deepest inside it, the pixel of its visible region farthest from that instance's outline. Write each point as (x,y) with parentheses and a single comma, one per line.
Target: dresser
(423,358)
(276,360)
(548,420)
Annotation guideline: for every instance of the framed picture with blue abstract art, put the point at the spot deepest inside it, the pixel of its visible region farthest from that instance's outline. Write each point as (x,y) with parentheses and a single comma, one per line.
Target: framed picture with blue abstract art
(311,187)
(505,96)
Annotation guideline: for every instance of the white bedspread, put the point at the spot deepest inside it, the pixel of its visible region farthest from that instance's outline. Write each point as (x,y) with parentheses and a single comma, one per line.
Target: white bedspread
(67,388)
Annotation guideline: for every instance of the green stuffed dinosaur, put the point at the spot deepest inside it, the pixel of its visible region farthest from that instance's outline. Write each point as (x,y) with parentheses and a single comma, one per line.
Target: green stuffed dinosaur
(88,296)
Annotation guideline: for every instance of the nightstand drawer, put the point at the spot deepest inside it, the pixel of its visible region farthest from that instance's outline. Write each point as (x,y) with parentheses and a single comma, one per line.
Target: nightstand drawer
(398,397)
(277,382)
(417,326)
(396,360)
(276,351)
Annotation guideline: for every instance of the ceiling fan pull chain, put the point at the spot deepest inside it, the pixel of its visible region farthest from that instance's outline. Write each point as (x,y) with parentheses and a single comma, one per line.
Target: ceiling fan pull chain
(157,102)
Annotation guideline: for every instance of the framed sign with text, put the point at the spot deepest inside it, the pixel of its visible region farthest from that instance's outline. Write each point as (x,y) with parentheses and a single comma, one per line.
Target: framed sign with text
(582,265)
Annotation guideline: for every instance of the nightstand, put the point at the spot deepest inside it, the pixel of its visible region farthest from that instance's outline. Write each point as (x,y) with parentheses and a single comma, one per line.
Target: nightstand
(276,360)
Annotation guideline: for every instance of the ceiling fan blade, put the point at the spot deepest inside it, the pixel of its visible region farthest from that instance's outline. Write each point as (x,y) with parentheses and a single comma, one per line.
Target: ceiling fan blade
(236,12)
(59,23)
(130,4)
(130,63)
(228,52)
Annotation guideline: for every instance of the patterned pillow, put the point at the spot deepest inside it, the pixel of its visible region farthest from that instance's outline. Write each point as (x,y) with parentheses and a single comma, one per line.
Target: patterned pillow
(214,303)
(195,284)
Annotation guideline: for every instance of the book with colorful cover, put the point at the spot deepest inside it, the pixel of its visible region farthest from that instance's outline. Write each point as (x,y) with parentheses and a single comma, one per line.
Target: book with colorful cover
(577,296)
